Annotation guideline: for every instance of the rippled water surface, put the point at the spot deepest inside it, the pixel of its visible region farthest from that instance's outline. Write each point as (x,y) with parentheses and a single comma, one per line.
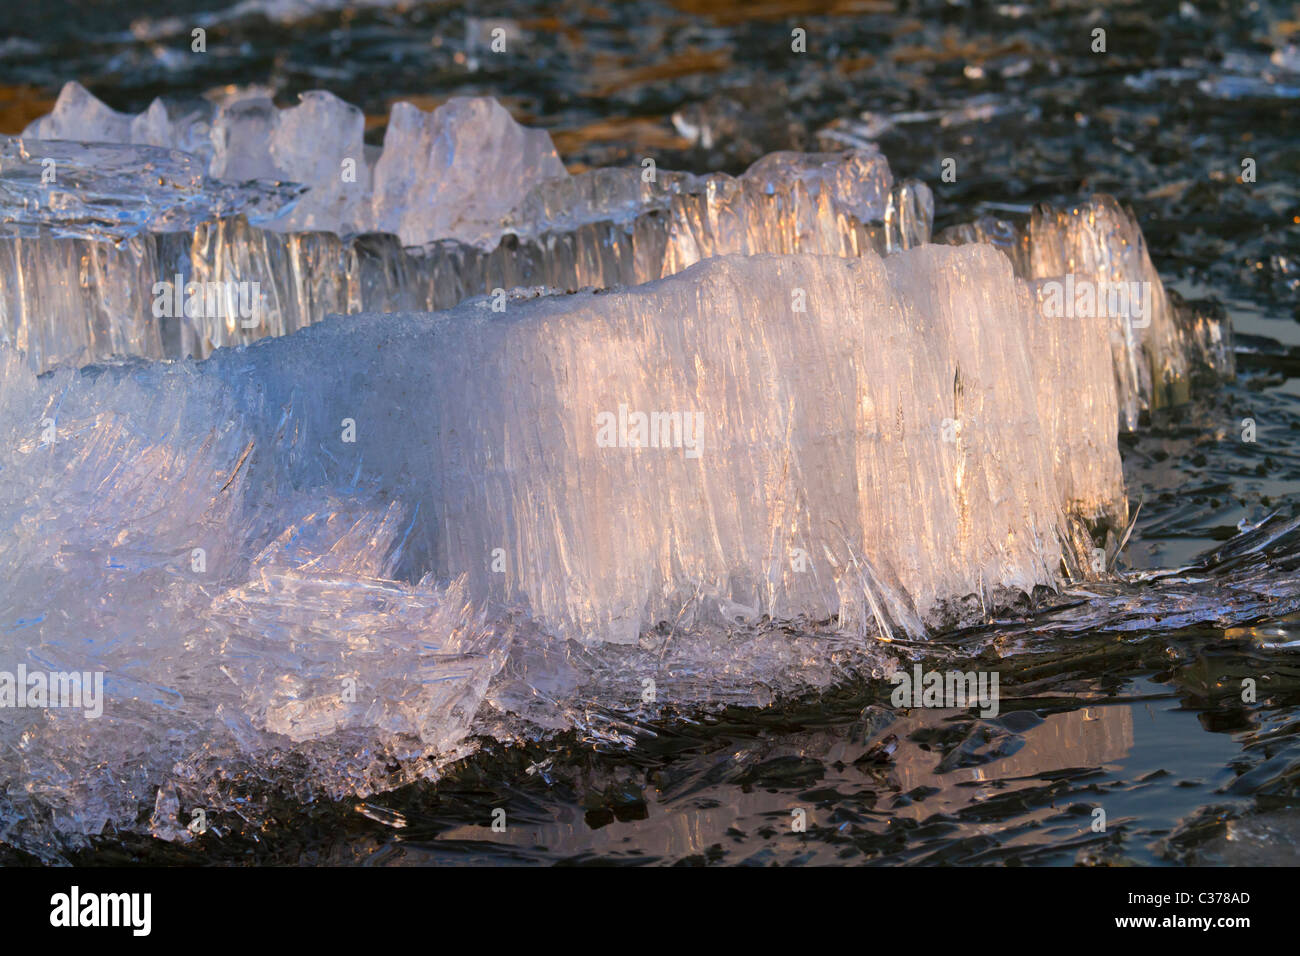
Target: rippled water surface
(1127,698)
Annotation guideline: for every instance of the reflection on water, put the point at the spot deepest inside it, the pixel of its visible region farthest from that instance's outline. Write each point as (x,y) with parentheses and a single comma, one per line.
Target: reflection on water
(1150,731)
(677,823)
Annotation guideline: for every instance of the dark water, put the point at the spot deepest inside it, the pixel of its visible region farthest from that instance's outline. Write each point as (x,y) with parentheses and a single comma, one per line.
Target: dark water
(1137,715)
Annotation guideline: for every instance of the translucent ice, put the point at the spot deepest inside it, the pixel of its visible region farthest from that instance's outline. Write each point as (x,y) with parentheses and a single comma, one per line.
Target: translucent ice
(304,276)
(247,635)
(468,175)
(334,165)
(254,140)
(244,139)
(107,191)
(457,172)
(856,182)
(79,115)
(906,383)
(464,172)
(1158,346)
(454,173)
(290,561)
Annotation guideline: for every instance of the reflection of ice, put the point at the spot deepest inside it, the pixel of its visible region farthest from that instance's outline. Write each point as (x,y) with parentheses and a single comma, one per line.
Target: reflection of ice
(993,753)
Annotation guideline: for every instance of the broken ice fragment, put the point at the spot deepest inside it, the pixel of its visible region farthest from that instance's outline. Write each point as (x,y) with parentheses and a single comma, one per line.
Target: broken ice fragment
(108,191)
(616,195)
(241,139)
(333,165)
(79,115)
(858,180)
(456,173)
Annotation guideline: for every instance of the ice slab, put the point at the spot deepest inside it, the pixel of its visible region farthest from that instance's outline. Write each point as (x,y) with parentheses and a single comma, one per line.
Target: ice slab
(58,312)
(786,370)
(296,563)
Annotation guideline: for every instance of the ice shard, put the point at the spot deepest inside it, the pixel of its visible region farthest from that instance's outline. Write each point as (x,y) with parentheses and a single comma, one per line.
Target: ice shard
(253,140)
(453,173)
(79,115)
(334,166)
(456,173)
(856,182)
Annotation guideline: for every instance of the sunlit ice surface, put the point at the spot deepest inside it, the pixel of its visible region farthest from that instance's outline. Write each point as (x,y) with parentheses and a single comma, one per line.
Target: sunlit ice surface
(407,571)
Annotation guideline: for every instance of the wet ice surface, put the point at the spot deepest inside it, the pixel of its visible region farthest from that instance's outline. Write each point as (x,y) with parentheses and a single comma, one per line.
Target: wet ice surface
(1129,699)
(108,191)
